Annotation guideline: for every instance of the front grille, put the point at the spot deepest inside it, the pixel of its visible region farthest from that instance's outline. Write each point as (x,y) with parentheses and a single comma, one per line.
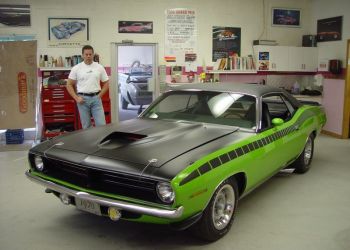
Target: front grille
(100,180)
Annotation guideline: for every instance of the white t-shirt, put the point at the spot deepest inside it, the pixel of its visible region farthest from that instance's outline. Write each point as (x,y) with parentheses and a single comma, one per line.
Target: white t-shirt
(88,77)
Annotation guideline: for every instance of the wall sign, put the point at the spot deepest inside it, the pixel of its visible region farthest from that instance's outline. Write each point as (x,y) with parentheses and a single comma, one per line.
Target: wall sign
(180,33)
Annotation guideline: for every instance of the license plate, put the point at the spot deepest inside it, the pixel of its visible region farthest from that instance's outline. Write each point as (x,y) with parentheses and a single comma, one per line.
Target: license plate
(88,206)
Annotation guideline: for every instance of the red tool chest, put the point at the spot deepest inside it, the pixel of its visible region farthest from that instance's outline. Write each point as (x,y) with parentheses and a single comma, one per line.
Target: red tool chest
(58,109)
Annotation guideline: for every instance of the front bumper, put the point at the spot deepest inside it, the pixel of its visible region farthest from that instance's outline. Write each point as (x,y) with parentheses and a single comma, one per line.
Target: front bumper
(122,205)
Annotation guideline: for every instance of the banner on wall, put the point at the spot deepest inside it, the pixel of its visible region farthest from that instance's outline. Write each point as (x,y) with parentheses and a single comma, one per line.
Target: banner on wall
(180,34)
(226,42)
(18,84)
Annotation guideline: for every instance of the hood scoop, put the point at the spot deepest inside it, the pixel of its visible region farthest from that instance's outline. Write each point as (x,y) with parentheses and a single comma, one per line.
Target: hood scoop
(119,139)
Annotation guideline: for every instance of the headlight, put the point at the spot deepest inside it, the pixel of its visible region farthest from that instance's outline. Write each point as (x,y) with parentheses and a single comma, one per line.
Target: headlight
(38,162)
(165,192)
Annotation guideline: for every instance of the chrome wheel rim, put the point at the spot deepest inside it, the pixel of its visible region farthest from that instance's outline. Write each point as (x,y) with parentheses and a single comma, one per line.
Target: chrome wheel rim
(223,207)
(308,151)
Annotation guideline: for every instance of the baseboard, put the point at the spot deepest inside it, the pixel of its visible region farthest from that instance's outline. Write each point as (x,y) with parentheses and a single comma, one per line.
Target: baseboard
(325,132)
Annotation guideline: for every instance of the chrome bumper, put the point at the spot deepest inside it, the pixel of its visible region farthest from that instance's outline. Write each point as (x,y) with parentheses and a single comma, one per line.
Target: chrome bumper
(122,205)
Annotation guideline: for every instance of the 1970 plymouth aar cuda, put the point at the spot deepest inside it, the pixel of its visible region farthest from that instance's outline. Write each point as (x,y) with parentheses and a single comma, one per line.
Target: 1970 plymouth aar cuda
(186,160)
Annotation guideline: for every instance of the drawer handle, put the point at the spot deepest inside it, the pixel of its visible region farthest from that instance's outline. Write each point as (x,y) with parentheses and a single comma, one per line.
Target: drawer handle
(58,111)
(57,106)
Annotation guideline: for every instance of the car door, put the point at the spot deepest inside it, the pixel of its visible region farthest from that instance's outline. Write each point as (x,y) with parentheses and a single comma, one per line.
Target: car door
(290,139)
(268,155)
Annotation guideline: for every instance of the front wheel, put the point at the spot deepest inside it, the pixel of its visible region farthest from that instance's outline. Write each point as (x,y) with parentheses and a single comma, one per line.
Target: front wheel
(124,102)
(218,216)
(302,163)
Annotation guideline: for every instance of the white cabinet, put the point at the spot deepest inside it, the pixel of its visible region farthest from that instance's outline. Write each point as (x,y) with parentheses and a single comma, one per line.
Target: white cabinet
(271,58)
(302,59)
(286,58)
(310,57)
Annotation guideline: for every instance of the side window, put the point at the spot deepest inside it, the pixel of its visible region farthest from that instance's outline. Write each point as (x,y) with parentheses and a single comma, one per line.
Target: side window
(278,107)
(290,107)
(241,113)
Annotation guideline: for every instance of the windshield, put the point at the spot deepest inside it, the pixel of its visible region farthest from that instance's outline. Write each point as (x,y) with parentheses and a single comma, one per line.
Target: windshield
(224,108)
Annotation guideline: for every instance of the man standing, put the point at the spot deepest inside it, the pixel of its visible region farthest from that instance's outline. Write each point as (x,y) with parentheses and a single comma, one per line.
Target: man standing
(85,77)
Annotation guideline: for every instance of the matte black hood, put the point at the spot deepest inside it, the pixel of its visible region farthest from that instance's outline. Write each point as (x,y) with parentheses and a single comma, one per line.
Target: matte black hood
(137,141)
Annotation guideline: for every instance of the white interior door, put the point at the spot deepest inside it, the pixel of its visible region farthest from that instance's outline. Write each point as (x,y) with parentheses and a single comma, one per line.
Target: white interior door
(134,79)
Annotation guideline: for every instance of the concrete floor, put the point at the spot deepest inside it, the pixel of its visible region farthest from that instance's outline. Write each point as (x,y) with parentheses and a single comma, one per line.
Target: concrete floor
(289,212)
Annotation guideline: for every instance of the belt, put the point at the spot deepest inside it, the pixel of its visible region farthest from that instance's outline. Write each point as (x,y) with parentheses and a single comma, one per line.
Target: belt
(89,94)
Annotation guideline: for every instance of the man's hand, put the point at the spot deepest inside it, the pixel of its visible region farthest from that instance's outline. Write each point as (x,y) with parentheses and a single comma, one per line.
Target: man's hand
(79,99)
(71,90)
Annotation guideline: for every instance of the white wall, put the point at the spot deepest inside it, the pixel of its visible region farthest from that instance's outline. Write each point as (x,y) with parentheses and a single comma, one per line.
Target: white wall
(253,16)
(325,9)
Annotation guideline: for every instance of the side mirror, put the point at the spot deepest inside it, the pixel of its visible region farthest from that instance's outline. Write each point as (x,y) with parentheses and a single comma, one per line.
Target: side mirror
(277,121)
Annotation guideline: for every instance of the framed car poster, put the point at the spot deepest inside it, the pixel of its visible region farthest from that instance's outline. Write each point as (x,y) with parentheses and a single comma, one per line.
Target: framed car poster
(329,29)
(286,17)
(135,27)
(226,42)
(68,32)
(14,15)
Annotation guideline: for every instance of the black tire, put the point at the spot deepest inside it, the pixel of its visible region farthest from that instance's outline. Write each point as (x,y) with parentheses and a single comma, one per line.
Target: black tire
(124,103)
(209,228)
(302,163)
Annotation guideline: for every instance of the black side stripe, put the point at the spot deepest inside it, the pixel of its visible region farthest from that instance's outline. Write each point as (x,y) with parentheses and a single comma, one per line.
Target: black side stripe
(231,155)
(245,149)
(215,162)
(204,168)
(239,152)
(224,158)
(189,177)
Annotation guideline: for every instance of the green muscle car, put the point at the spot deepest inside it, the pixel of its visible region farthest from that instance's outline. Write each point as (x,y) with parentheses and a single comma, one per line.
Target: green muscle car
(186,160)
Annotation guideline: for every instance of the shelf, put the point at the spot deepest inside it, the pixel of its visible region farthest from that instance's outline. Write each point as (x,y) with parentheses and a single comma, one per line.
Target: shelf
(55,68)
(232,72)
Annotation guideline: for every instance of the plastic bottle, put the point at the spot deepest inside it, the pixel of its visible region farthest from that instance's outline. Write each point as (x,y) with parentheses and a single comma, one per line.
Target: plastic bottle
(46,61)
(41,61)
(59,62)
(296,88)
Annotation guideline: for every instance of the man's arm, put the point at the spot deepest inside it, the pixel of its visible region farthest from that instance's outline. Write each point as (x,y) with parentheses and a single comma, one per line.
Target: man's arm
(104,89)
(70,88)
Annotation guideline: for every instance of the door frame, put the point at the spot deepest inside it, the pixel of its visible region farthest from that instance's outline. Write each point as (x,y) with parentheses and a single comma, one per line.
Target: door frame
(346,112)
(113,87)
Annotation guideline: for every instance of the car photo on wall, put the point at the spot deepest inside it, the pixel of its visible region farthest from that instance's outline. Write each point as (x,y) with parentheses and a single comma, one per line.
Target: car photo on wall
(66,29)
(135,27)
(187,160)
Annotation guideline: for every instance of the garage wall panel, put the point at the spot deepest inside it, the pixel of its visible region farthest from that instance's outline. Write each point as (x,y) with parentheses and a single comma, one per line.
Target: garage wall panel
(253,16)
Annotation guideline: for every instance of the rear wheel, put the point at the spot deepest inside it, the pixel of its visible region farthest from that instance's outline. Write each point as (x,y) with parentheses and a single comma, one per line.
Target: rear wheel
(218,216)
(302,163)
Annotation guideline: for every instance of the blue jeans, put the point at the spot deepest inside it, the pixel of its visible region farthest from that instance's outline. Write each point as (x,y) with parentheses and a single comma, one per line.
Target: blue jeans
(92,106)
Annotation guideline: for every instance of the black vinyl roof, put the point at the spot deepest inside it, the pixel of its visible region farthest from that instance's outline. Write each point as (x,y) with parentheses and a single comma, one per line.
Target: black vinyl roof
(253,89)
(244,88)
